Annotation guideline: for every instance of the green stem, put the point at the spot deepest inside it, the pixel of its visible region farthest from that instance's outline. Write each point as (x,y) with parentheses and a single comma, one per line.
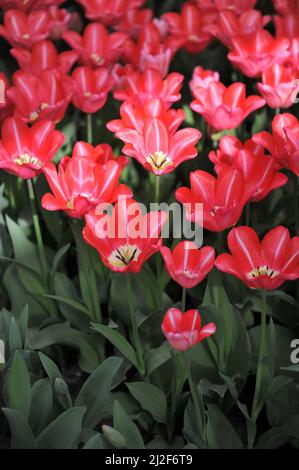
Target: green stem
(95,297)
(137,342)
(89,127)
(197,406)
(157,189)
(37,229)
(220,289)
(259,373)
(184,295)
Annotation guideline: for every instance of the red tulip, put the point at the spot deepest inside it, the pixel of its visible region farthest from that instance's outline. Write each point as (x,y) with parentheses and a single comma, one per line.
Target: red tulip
(136,117)
(202,78)
(285,7)
(134,21)
(109,12)
(286,26)
(91,88)
(60,20)
(44,56)
(6,107)
(22,30)
(239,6)
(229,24)
(260,171)
(23,150)
(283,143)
(222,199)
(280,86)
(81,184)
(149,51)
(102,153)
(126,238)
(261,265)
(188,265)
(256,52)
(138,88)
(188,29)
(184,330)
(46,96)
(225,108)
(28,5)
(96,47)
(157,145)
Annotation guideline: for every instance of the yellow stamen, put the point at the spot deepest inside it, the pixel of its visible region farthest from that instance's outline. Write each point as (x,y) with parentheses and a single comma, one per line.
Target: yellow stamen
(121,257)
(263,271)
(159,160)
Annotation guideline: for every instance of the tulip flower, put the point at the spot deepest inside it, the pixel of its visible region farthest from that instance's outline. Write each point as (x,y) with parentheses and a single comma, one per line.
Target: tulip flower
(187,30)
(60,19)
(149,51)
(239,6)
(286,7)
(229,24)
(6,107)
(23,150)
(109,12)
(44,56)
(261,265)
(139,88)
(225,108)
(184,330)
(101,153)
(157,147)
(22,30)
(222,198)
(134,21)
(91,88)
(28,5)
(46,96)
(136,117)
(260,171)
(286,26)
(126,238)
(202,78)
(187,264)
(256,52)
(280,86)
(81,184)
(283,143)
(96,47)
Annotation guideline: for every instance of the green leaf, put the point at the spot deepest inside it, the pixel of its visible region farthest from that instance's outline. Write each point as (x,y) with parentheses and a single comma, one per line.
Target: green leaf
(64,432)
(21,434)
(220,432)
(118,341)
(24,250)
(54,374)
(123,424)
(70,302)
(58,258)
(15,339)
(151,399)
(42,405)
(115,438)
(95,393)
(18,387)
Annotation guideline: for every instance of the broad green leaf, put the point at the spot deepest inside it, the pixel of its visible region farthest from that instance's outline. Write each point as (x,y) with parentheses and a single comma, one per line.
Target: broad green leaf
(125,426)
(95,392)
(41,411)
(21,434)
(24,250)
(15,339)
(54,374)
(220,432)
(118,341)
(18,387)
(151,399)
(64,432)
(95,442)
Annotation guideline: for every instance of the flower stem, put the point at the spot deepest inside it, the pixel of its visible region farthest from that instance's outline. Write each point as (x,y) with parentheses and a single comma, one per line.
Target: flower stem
(136,336)
(220,289)
(194,394)
(157,189)
(89,127)
(37,229)
(183,304)
(259,373)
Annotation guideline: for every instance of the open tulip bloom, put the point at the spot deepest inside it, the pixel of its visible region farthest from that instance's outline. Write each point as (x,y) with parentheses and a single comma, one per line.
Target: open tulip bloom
(126,238)
(261,265)
(184,330)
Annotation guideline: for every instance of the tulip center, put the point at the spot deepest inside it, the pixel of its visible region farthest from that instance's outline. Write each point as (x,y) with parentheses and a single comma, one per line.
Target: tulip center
(26,36)
(159,160)
(263,271)
(97,58)
(122,256)
(27,159)
(214,210)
